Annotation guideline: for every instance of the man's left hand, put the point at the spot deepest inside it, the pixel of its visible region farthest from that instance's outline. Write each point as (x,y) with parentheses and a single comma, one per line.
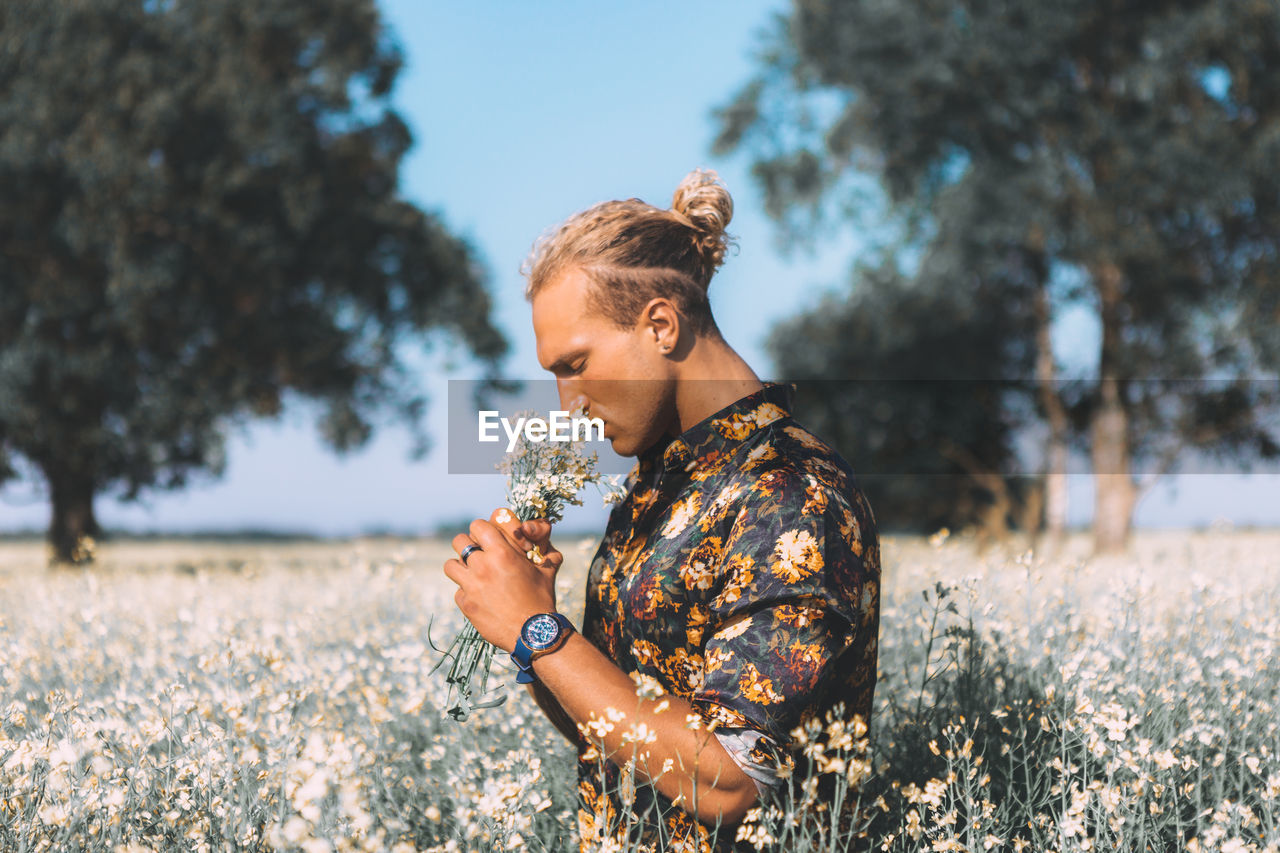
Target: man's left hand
(499,587)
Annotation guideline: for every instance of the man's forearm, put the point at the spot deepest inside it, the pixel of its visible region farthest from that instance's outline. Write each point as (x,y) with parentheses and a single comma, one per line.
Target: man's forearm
(686,764)
(551,707)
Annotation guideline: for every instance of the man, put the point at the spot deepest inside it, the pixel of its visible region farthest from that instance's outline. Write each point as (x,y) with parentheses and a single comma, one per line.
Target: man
(737,583)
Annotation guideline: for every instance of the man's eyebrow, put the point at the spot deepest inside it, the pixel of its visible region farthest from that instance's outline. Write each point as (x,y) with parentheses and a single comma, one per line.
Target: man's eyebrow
(562,363)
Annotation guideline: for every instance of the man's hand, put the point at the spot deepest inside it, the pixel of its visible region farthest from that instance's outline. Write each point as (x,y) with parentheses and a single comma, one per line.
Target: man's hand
(500,587)
(527,536)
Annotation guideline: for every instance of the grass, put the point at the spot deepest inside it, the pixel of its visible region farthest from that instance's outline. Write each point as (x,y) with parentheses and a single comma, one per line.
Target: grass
(272,696)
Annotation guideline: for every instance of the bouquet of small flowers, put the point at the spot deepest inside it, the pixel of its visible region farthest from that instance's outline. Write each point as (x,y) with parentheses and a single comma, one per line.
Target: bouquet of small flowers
(542,477)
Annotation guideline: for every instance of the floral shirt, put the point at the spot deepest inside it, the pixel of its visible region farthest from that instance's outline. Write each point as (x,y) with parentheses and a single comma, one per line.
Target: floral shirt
(741,572)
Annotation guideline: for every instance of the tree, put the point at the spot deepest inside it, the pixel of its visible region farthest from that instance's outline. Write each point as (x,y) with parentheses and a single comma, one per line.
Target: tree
(934,446)
(1133,143)
(200,223)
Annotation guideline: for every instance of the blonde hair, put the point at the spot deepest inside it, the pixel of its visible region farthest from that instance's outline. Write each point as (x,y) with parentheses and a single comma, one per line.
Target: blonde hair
(634,252)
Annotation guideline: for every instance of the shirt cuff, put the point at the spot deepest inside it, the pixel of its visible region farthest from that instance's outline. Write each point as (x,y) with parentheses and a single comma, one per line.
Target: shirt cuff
(740,743)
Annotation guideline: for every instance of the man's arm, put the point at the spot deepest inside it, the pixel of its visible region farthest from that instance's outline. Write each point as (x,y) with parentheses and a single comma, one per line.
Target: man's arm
(551,707)
(500,588)
(663,737)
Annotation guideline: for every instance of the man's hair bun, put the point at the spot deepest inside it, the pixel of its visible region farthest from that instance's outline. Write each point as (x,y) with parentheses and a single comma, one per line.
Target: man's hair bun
(634,251)
(702,200)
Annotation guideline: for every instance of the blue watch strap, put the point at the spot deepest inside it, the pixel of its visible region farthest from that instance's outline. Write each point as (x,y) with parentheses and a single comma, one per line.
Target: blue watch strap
(523,657)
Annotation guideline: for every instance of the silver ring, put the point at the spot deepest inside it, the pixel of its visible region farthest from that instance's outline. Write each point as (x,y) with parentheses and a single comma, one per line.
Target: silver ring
(468,551)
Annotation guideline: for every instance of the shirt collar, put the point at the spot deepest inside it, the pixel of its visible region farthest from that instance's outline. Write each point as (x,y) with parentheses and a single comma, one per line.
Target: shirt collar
(734,423)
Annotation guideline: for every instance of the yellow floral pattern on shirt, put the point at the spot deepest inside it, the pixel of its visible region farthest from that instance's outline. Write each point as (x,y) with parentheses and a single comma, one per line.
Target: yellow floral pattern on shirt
(742,572)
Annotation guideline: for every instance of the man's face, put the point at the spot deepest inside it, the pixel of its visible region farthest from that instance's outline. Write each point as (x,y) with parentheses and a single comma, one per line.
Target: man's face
(617,373)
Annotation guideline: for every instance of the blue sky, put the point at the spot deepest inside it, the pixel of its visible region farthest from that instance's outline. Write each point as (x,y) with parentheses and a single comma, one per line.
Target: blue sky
(523,114)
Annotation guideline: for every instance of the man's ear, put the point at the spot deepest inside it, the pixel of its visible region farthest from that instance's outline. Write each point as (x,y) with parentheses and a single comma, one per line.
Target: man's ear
(661,323)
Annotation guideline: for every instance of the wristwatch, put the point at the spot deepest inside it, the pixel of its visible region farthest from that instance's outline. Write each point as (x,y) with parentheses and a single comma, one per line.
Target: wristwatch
(540,635)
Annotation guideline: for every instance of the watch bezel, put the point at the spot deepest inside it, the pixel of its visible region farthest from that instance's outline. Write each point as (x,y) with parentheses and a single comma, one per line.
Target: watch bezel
(541,618)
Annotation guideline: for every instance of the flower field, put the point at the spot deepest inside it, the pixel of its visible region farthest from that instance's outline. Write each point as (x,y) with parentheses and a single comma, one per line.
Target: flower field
(279,697)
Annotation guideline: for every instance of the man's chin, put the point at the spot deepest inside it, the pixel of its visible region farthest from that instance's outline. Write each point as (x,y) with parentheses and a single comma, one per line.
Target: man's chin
(622,445)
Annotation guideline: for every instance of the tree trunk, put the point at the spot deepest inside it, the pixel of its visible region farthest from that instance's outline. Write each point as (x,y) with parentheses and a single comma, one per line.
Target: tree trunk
(994,519)
(1031,513)
(73,526)
(1055,476)
(1115,494)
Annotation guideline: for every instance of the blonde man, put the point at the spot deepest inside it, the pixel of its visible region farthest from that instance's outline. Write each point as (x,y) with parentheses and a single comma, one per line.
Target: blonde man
(738,582)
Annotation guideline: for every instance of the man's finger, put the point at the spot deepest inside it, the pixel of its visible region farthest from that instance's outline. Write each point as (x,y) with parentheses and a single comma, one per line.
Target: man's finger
(462,540)
(455,571)
(538,530)
(490,538)
(505,520)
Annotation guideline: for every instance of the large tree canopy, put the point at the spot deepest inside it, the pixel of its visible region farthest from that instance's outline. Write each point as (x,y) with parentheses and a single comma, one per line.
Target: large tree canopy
(200,219)
(1115,157)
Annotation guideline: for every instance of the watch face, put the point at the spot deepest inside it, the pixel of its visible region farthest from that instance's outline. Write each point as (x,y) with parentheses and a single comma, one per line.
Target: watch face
(541,631)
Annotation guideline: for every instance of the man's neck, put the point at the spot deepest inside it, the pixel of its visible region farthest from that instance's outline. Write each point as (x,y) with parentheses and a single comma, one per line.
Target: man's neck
(710,377)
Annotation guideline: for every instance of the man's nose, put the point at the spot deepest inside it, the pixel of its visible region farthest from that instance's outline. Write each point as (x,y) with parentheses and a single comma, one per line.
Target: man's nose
(570,397)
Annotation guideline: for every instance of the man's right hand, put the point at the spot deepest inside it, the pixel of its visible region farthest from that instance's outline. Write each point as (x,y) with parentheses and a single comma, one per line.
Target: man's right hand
(526,536)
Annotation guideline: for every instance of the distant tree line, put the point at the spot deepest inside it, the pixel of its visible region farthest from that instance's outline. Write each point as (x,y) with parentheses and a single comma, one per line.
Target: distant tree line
(201,221)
